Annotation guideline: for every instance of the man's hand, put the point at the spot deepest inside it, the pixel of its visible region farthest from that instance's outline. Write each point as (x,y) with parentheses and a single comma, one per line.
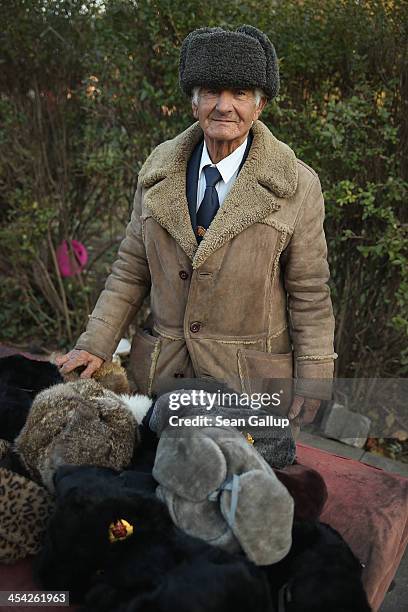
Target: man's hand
(77,358)
(310,408)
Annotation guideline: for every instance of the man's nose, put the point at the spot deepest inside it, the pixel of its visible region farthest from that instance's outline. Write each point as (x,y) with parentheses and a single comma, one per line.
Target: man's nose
(224,102)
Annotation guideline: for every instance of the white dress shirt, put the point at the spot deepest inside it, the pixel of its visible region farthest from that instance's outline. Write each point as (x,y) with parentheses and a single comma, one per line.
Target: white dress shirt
(227,167)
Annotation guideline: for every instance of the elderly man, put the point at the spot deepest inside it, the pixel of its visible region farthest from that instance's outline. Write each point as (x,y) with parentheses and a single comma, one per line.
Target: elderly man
(227,236)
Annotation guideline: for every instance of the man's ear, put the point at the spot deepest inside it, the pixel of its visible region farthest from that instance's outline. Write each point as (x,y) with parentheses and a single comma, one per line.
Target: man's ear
(194,108)
(260,108)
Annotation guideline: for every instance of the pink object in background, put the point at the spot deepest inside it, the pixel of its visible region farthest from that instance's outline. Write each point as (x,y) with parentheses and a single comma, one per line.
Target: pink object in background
(67,267)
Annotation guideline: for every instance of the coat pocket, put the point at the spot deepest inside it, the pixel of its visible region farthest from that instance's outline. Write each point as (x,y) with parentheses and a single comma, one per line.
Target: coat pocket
(270,373)
(143,360)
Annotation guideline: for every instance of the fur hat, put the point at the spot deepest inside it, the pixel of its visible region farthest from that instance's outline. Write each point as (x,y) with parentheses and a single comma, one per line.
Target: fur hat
(319,573)
(275,443)
(25,508)
(218,488)
(20,380)
(223,59)
(308,489)
(77,423)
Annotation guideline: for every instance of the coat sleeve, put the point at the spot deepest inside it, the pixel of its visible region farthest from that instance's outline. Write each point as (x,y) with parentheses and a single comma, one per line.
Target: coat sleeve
(311,319)
(124,292)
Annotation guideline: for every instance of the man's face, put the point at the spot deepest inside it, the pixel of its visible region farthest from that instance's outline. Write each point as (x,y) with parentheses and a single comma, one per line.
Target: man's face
(227,115)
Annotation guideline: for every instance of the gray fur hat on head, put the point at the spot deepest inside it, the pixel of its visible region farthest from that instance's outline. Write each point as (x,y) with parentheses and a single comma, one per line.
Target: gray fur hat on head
(222,59)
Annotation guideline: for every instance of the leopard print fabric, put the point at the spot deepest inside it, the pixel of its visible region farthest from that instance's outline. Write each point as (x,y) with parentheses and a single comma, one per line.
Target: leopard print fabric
(25,508)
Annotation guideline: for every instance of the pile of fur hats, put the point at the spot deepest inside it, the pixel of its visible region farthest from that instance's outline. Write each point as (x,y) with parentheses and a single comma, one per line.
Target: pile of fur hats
(112,544)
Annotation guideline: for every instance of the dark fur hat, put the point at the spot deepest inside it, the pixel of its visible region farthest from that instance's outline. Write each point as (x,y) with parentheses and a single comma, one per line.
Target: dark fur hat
(218,58)
(20,381)
(319,574)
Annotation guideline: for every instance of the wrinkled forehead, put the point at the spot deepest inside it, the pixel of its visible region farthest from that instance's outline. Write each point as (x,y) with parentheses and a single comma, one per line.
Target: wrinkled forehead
(213,93)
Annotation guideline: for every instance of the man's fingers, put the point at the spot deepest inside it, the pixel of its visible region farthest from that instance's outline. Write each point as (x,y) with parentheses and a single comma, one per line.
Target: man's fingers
(61,359)
(77,358)
(73,359)
(89,370)
(71,364)
(296,407)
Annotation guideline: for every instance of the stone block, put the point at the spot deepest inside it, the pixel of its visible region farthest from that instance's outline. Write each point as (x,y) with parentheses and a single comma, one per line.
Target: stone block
(342,424)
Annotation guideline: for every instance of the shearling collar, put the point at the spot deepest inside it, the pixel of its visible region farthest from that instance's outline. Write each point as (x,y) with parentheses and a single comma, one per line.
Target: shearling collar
(270,171)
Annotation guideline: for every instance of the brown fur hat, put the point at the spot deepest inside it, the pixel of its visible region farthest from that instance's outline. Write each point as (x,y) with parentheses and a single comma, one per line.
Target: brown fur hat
(76,423)
(110,375)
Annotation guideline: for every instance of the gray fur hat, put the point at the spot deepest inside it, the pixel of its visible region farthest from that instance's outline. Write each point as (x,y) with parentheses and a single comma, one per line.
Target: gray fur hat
(218,58)
(262,428)
(218,488)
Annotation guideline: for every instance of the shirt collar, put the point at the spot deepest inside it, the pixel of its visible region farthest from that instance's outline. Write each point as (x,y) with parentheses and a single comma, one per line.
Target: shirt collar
(227,166)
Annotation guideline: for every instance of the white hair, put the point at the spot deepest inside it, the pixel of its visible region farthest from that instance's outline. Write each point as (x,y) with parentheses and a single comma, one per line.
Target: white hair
(195,94)
(258,93)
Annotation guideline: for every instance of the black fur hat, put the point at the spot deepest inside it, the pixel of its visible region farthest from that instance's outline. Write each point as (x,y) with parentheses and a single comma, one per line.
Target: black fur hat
(213,57)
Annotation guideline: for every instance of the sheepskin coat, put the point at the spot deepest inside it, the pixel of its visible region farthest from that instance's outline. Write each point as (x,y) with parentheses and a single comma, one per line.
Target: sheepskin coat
(250,302)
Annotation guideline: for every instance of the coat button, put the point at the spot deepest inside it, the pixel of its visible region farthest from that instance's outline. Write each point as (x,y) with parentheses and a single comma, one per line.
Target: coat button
(195,327)
(183,275)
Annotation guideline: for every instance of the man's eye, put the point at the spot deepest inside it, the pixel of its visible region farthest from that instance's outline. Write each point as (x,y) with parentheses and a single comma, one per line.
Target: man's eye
(241,93)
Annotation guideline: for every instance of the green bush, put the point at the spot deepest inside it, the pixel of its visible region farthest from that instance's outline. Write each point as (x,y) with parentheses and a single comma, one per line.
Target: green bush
(87,90)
